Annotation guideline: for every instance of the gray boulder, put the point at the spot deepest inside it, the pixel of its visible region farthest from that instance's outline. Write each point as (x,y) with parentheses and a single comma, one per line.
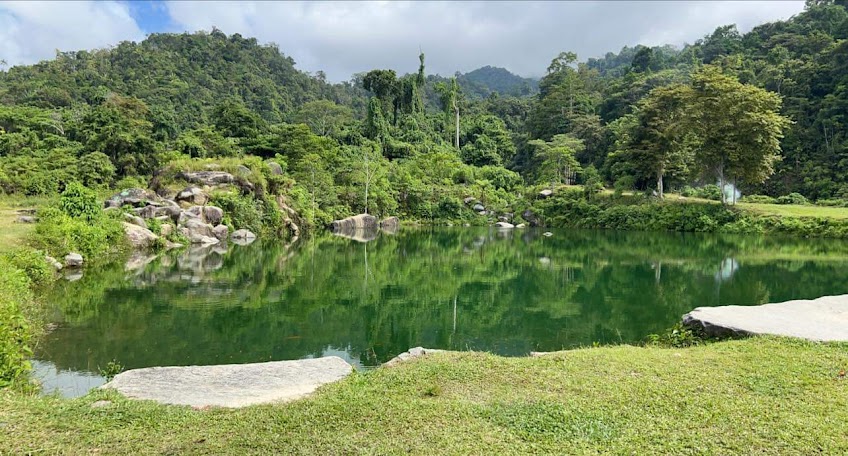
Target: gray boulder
(478,207)
(357,222)
(207,177)
(146,212)
(390,223)
(73,260)
(243,237)
(166,230)
(221,232)
(53,262)
(504,225)
(198,232)
(213,215)
(275,168)
(135,220)
(172,212)
(470,200)
(139,237)
(546,193)
(192,195)
(531,218)
(137,197)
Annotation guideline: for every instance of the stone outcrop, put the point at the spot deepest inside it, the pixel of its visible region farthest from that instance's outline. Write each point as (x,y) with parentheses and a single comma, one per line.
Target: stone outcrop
(136,197)
(822,319)
(139,237)
(210,178)
(231,385)
(192,195)
(73,260)
(357,222)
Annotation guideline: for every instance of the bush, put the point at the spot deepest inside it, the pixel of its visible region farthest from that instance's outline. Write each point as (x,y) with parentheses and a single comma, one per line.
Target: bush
(792,198)
(710,192)
(838,202)
(262,216)
(79,202)
(33,264)
(17,315)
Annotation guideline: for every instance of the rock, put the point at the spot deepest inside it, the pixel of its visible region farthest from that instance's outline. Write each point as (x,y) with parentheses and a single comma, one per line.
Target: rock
(210,178)
(390,224)
(192,195)
(483,213)
(230,385)
(547,234)
(146,212)
(478,207)
(196,212)
(53,262)
(824,319)
(139,237)
(546,193)
(243,170)
(172,212)
(185,216)
(166,229)
(504,225)
(243,237)
(172,245)
(520,225)
(73,260)
(26,219)
(138,260)
(72,275)
(357,222)
(132,196)
(531,218)
(221,232)
(198,232)
(275,168)
(412,353)
(135,220)
(503,218)
(213,215)
(470,200)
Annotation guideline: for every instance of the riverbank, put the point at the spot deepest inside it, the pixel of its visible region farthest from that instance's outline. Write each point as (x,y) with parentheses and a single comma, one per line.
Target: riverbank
(759,395)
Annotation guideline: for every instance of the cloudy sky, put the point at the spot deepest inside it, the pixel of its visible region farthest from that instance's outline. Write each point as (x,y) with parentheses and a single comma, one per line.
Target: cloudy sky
(342,38)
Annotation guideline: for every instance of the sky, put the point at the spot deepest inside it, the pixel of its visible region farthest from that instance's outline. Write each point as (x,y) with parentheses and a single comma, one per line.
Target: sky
(343,38)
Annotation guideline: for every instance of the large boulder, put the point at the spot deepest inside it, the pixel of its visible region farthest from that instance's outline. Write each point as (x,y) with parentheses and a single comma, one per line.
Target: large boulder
(531,218)
(243,237)
(221,232)
(137,197)
(135,220)
(478,207)
(504,225)
(546,193)
(172,212)
(139,237)
(210,178)
(357,222)
(275,168)
(390,224)
(213,215)
(192,195)
(198,232)
(73,260)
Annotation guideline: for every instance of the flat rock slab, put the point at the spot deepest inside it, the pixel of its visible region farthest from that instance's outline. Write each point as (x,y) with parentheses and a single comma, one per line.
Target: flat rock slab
(824,319)
(230,385)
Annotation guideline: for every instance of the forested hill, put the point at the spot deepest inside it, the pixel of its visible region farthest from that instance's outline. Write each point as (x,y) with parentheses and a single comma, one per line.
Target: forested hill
(209,94)
(180,77)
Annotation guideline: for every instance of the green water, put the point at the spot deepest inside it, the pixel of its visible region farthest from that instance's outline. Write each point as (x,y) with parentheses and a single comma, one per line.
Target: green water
(461,288)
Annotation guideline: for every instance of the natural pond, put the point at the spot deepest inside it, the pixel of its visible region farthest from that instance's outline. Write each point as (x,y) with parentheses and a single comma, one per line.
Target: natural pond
(508,292)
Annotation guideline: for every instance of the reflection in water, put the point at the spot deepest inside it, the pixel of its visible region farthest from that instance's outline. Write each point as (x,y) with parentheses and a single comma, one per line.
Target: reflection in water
(509,292)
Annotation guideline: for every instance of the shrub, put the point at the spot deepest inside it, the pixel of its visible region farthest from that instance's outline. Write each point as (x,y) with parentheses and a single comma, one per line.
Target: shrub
(17,323)
(710,192)
(759,199)
(262,216)
(78,201)
(792,198)
(33,264)
(837,202)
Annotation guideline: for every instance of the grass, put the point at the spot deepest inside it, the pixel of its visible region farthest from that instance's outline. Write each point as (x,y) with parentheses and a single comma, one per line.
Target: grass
(792,210)
(754,396)
(13,233)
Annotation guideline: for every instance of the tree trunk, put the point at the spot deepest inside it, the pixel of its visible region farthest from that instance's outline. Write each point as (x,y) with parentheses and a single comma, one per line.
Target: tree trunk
(456,109)
(660,182)
(721,182)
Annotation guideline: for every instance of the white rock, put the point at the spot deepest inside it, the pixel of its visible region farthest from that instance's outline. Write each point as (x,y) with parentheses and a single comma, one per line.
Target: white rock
(73,260)
(547,234)
(504,225)
(520,225)
(822,319)
(139,238)
(230,385)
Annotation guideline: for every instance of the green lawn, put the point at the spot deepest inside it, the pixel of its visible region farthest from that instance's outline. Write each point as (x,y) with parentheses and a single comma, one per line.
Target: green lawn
(754,396)
(13,233)
(791,210)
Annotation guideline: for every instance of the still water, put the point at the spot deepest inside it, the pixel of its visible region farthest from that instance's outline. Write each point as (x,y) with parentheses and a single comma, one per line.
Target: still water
(508,292)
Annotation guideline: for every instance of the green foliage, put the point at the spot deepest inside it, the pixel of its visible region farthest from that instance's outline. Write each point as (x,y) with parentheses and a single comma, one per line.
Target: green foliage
(679,336)
(792,198)
(261,216)
(79,202)
(112,369)
(17,309)
(33,264)
(758,199)
(96,170)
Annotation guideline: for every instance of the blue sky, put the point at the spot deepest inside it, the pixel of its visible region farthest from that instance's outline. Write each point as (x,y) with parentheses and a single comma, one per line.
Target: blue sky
(343,38)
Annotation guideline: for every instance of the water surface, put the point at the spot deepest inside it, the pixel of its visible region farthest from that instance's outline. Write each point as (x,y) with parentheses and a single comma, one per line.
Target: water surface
(508,292)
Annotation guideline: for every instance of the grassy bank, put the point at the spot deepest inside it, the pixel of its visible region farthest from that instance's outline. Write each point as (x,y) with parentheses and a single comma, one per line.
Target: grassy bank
(569,207)
(760,395)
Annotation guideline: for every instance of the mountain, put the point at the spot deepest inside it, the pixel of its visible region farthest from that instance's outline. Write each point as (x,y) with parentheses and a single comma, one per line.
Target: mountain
(498,80)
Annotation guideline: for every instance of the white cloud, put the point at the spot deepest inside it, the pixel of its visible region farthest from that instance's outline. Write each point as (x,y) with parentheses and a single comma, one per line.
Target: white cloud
(342,38)
(33,31)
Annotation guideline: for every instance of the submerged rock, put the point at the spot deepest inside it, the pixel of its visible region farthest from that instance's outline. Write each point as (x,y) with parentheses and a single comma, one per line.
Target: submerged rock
(357,222)
(504,225)
(230,385)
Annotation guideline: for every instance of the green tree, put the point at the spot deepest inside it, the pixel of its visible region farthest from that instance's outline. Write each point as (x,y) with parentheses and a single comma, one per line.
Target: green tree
(558,158)
(96,170)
